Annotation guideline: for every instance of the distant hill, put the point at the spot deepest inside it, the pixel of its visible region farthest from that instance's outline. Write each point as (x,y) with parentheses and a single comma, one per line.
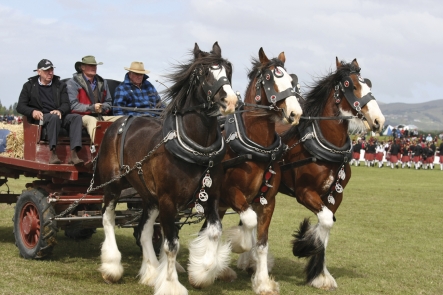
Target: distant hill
(427,116)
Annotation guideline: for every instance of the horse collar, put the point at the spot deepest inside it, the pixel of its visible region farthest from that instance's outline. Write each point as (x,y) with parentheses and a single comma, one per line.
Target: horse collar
(241,144)
(186,149)
(321,148)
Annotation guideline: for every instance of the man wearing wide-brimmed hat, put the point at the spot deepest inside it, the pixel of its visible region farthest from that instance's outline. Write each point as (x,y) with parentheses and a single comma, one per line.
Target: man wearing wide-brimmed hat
(136,92)
(89,94)
(44,100)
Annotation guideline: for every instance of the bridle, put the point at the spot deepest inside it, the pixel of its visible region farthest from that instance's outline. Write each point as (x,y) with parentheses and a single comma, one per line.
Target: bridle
(209,90)
(346,85)
(265,79)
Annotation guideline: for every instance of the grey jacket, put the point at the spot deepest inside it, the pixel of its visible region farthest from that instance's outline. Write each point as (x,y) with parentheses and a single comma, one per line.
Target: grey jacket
(82,98)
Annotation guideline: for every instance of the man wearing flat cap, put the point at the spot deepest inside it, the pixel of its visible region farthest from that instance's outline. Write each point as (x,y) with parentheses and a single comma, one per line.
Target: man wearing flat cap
(44,100)
(136,92)
(89,94)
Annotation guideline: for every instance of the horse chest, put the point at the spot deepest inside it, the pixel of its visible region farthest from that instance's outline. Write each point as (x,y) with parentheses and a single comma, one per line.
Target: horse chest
(327,182)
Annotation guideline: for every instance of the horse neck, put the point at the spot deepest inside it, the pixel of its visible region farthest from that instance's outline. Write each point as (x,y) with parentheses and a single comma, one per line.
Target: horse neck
(334,131)
(198,126)
(258,125)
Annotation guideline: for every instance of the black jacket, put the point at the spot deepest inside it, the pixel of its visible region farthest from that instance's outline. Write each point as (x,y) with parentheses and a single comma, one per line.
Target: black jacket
(395,149)
(29,100)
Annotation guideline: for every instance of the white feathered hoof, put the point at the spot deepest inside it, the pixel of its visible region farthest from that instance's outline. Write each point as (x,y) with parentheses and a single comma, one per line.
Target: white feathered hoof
(148,275)
(111,273)
(208,257)
(227,275)
(265,287)
(324,282)
(240,239)
(170,288)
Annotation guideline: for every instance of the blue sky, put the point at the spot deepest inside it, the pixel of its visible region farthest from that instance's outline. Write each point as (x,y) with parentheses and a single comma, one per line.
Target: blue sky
(398,44)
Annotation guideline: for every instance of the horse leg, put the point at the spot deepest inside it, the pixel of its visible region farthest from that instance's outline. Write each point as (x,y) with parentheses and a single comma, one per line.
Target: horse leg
(311,241)
(242,237)
(111,268)
(167,279)
(261,282)
(148,270)
(208,257)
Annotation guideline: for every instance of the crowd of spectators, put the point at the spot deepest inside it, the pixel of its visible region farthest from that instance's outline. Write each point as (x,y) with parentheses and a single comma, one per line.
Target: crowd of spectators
(410,150)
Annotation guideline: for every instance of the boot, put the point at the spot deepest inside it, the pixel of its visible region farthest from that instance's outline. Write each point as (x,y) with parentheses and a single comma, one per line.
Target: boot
(75,159)
(54,159)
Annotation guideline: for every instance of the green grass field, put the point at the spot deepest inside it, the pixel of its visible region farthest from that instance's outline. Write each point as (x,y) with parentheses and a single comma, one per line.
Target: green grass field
(387,240)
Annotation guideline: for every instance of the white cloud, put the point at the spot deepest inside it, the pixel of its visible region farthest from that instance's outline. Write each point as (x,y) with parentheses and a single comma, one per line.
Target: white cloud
(397,43)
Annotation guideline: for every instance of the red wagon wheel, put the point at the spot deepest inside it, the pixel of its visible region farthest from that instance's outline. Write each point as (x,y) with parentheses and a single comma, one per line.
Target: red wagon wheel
(34,227)
(29,224)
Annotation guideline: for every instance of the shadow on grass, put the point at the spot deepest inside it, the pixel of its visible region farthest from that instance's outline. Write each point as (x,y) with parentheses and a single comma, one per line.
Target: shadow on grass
(7,234)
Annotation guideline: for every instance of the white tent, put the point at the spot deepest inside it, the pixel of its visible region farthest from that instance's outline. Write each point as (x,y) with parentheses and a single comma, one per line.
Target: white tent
(410,127)
(388,130)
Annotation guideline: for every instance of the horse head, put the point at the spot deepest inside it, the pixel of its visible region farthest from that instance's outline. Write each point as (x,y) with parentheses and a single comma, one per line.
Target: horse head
(359,99)
(202,83)
(278,87)
(215,76)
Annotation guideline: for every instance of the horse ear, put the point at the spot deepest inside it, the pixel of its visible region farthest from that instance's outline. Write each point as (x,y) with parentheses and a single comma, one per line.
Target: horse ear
(216,49)
(262,56)
(355,63)
(197,51)
(282,57)
(337,62)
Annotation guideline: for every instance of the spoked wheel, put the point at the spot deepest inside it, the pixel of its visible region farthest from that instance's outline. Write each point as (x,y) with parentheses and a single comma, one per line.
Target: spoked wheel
(33,228)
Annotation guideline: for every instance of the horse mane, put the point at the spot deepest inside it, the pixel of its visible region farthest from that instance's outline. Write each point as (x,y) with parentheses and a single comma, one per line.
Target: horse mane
(177,94)
(317,96)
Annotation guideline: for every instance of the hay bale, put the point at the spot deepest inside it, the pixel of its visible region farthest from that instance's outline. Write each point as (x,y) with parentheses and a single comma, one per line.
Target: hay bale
(14,141)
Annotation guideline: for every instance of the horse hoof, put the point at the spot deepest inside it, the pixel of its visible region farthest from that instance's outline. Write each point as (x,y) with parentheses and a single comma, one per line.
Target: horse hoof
(270,293)
(107,280)
(198,287)
(228,275)
(326,288)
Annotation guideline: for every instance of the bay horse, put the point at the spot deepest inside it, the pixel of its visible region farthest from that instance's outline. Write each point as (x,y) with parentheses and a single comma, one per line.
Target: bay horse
(172,162)
(316,167)
(249,187)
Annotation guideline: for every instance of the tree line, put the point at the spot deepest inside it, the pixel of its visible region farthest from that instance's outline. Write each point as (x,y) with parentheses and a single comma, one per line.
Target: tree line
(4,110)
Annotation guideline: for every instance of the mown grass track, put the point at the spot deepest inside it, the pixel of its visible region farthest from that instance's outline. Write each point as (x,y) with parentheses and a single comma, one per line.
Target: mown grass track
(387,240)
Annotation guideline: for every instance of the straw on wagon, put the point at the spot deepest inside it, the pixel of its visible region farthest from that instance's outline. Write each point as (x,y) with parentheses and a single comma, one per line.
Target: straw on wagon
(14,141)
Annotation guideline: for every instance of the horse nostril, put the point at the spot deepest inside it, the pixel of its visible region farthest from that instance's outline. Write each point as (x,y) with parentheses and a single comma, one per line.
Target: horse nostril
(376,124)
(292,114)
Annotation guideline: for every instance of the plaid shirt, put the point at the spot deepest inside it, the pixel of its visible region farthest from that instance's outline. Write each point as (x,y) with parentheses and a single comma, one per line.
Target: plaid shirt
(129,95)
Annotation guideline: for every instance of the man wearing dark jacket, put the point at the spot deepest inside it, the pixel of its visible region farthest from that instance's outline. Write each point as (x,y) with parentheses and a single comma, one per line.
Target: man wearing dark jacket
(44,100)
